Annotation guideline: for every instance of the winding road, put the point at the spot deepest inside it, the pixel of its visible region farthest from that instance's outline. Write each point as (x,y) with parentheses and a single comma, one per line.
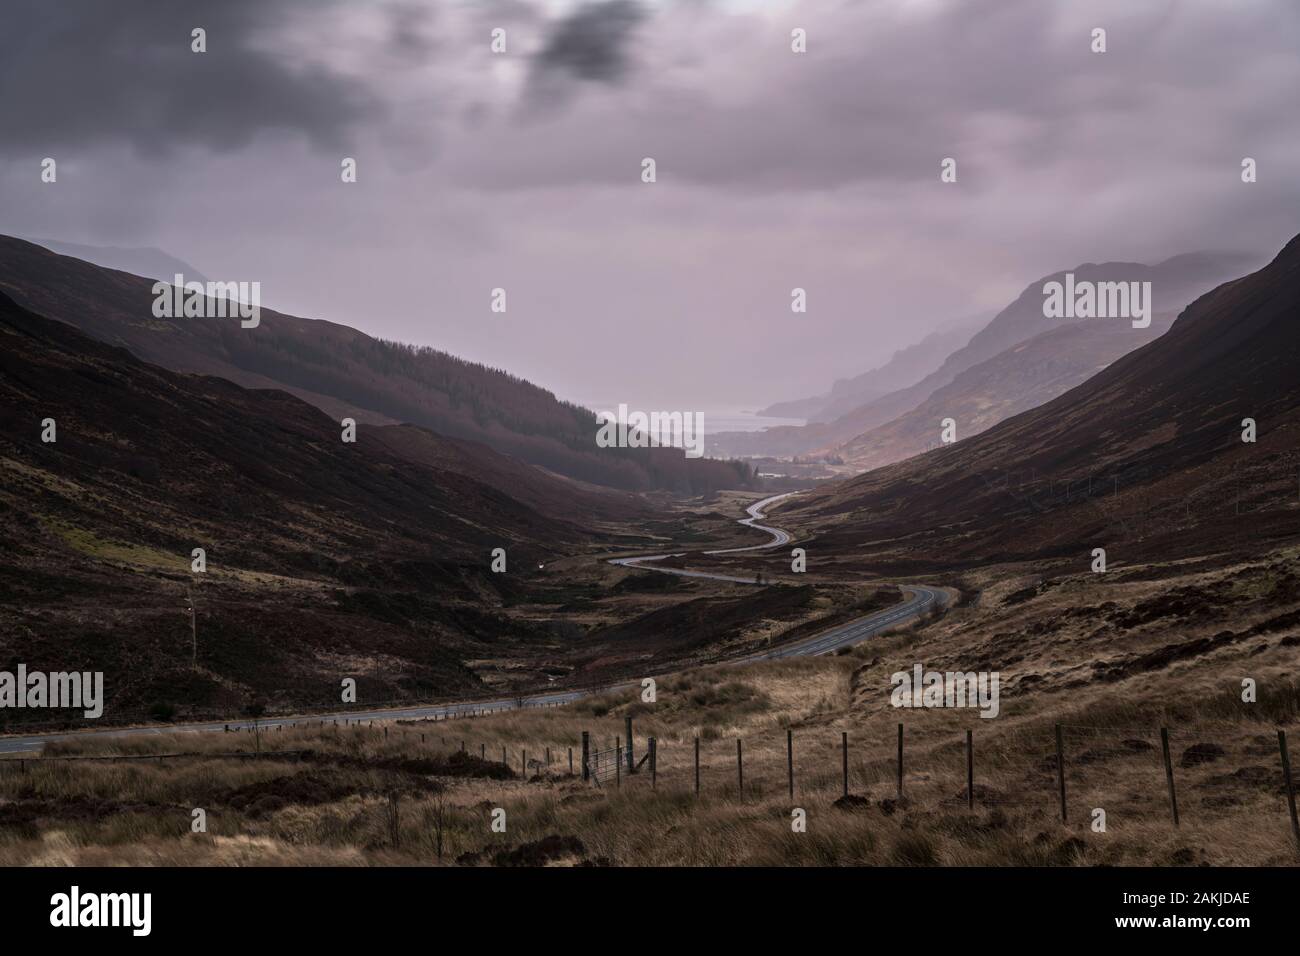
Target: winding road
(920,598)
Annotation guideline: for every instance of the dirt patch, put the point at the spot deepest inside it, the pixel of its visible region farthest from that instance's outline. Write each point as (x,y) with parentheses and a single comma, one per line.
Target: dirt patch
(1197,754)
(852,802)
(29,816)
(304,789)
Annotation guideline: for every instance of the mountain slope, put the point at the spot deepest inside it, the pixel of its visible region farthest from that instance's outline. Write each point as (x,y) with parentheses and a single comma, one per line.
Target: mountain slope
(1175,282)
(905,367)
(348,373)
(1016,380)
(1144,458)
(150,262)
(320,554)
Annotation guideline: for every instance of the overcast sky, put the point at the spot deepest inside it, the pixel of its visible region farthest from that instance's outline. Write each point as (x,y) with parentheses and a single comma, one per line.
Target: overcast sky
(522,170)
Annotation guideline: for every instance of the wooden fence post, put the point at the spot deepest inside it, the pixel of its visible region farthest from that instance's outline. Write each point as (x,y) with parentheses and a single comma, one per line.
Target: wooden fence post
(740,768)
(1169,773)
(1060,769)
(618,765)
(970,771)
(570,761)
(631,767)
(900,761)
(1290,786)
(586,756)
(697,766)
(653,770)
(394,832)
(844,748)
(789,758)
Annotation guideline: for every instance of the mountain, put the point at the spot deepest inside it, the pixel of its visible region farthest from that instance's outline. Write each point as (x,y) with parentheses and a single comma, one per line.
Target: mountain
(347,373)
(1174,283)
(1016,380)
(141,261)
(1145,459)
(321,554)
(904,368)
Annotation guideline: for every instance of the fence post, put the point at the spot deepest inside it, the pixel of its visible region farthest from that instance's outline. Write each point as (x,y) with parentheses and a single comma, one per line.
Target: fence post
(523,762)
(789,758)
(740,768)
(503,756)
(970,771)
(482,751)
(697,766)
(844,749)
(1290,786)
(548,757)
(1169,773)
(1060,769)
(586,756)
(618,765)
(653,771)
(631,767)
(462,746)
(900,761)
(394,830)
(570,761)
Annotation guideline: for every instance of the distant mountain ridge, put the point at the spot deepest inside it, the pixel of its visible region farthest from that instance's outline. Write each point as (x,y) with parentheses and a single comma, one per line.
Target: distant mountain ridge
(905,367)
(1175,282)
(138,260)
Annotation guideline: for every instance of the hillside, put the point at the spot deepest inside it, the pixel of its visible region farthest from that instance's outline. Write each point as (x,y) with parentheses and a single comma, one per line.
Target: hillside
(347,373)
(905,367)
(1022,377)
(1146,457)
(1174,283)
(325,559)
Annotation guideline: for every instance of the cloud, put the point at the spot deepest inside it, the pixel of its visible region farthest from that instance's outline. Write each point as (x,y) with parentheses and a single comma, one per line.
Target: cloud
(591,43)
(588,45)
(522,170)
(78,74)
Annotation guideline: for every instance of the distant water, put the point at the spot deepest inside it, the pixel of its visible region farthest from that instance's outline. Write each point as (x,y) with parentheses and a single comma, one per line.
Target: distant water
(715,419)
(735,420)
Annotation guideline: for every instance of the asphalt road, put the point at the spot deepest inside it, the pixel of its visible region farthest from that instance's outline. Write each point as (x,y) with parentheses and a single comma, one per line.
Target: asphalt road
(920,599)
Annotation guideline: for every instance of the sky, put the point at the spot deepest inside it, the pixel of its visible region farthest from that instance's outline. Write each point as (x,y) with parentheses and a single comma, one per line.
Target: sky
(775,170)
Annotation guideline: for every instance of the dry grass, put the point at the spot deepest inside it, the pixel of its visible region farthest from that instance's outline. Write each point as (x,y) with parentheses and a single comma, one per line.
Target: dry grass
(332,807)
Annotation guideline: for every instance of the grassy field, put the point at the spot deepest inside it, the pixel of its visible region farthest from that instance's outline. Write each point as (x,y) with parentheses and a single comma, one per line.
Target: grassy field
(403,793)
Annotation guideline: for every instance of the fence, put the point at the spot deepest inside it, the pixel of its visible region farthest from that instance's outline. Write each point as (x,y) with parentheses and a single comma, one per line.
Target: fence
(1072,748)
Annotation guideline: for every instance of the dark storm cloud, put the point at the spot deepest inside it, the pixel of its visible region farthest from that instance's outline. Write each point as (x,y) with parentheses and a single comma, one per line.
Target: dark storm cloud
(82,73)
(591,42)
